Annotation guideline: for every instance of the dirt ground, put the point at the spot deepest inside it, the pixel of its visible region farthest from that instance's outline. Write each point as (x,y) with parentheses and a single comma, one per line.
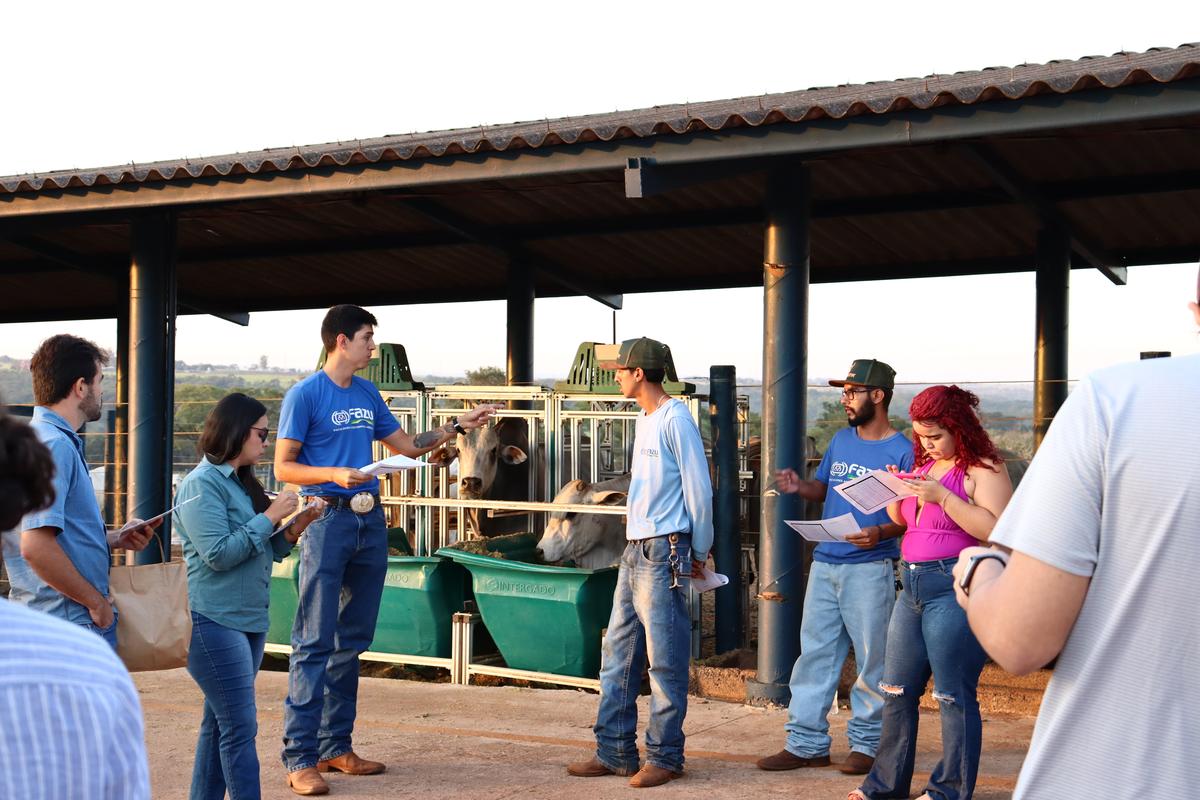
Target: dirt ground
(444,741)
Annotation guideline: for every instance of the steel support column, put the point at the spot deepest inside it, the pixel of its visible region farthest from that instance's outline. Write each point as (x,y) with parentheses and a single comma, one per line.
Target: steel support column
(785,367)
(722,411)
(1050,356)
(120,431)
(519,360)
(152,371)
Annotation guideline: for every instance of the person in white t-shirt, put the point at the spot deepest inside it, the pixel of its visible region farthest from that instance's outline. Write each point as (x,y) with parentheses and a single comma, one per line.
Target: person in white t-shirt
(1098,563)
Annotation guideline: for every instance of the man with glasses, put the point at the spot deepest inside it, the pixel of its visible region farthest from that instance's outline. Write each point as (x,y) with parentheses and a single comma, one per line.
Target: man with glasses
(851,587)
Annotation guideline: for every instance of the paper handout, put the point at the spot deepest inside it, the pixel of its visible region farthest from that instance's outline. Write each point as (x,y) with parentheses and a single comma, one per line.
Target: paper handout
(396,463)
(153,520)
(873,491)
(708,580)
(825,530)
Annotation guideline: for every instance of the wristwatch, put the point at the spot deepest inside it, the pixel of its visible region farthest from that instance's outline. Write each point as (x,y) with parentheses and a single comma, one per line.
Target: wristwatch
(457,427)
(964,582)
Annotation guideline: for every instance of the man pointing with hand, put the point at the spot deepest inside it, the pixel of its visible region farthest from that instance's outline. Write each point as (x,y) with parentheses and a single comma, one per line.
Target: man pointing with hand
(327,425)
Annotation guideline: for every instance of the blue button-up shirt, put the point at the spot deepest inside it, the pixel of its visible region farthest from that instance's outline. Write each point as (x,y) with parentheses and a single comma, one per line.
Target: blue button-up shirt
(228,548)
(75,516)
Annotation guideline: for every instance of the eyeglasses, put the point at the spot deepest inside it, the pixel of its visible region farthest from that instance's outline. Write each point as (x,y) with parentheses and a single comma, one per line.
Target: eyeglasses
(850,391)
(262,433)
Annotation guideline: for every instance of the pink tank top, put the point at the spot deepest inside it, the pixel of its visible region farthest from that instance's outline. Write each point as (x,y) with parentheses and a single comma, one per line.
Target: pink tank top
(936,536)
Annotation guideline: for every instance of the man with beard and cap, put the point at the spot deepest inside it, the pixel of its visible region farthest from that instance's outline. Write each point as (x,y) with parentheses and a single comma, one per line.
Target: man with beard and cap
(58,557)
(851,586)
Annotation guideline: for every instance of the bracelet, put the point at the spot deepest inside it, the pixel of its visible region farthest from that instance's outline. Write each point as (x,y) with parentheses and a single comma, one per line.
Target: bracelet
(458,427)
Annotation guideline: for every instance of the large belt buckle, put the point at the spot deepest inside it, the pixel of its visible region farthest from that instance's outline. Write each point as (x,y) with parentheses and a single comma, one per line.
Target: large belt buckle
(362,502)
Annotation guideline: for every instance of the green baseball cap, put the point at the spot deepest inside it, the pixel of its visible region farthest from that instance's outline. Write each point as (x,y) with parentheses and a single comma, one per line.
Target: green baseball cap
(869,372)
(633,353)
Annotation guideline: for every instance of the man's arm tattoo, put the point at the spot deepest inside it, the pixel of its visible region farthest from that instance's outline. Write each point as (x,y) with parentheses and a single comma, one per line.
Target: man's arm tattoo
(431,438)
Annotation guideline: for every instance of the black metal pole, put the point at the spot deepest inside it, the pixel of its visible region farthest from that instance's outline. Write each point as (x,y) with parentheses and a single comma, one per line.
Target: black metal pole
(121,407)
(1050,358)
(519,367)
(110,468)
(785,366)
(151,395)
(722,414)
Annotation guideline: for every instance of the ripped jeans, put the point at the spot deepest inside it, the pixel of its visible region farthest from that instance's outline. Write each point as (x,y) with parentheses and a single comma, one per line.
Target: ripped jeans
(929,633)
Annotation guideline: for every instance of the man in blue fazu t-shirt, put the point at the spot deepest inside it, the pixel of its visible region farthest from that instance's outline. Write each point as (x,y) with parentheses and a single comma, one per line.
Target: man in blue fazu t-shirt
(851,587)
(327,425)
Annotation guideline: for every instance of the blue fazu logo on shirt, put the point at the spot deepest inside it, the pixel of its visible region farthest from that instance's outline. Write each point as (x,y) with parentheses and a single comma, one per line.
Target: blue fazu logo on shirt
(840,469)
(345,418)
(650,452)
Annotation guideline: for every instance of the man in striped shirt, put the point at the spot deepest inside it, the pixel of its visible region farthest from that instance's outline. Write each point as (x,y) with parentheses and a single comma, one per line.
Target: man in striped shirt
(70,721)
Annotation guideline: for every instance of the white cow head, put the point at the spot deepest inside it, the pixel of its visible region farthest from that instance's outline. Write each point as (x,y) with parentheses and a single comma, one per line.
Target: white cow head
(590,540)
(481,451)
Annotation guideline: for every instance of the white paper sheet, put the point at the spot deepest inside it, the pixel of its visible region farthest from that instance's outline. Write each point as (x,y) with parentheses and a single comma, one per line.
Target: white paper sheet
(873,491)
(396,463)
(153,520)
(312,501)
(835,529)
(709,580)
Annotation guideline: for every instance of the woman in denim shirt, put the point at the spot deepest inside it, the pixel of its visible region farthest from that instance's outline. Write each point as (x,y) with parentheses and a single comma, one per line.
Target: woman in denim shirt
(230,536)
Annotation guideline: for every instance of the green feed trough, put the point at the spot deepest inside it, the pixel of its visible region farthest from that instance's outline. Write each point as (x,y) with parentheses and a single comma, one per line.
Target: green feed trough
(284,580)
(542,618)
(420,597)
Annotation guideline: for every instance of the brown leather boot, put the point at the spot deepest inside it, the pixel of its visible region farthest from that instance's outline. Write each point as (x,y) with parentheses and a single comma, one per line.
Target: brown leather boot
(650,775)
(856,764)
(785,760)
(307,781)
(588,769)
(351,764)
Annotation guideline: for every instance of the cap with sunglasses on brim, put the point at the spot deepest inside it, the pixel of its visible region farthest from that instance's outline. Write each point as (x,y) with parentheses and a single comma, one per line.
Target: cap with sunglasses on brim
(633,353)
(869,372)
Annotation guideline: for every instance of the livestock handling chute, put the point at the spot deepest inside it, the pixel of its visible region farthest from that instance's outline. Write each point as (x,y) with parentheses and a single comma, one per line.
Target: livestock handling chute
(463,535)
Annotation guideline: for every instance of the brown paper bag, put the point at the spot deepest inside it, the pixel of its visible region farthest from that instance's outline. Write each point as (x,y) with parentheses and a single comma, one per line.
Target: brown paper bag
(154,623)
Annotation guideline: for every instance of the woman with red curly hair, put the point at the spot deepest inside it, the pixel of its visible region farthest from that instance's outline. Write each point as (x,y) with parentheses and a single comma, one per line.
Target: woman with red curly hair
(960,487)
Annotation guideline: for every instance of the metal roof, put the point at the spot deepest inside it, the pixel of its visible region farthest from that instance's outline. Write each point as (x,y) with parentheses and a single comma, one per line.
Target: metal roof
(952,174)
(1159,65)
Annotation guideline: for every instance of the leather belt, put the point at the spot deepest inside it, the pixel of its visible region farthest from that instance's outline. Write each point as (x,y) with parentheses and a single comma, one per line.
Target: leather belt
(340,501)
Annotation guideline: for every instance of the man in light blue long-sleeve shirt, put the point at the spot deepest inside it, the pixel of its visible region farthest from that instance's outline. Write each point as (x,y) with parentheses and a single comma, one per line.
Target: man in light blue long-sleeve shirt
(669,531)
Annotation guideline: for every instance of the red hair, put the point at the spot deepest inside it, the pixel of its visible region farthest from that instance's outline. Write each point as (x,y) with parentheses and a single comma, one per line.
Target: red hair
(954,410)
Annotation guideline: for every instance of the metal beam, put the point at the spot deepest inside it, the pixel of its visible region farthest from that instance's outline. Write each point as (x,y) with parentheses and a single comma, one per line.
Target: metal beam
(1027,193)
(80,263)
(469,232)
(151,364)
(1141,103)
(519,307)
(1053,277)
(645,177)
(785,363)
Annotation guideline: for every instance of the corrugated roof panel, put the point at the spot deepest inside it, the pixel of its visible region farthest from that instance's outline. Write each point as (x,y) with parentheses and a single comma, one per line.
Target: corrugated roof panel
(1162,65)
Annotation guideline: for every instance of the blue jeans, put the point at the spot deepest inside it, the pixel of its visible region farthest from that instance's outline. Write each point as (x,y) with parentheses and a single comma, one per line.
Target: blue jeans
(108,634)
(343,561)
(844,604)
(929,633)
(648,619)
(224,662)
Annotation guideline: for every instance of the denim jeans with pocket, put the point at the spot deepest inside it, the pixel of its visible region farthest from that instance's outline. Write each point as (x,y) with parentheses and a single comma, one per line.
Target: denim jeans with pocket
(844,604)
(929,634)
(108,634)
(224,663)
(343,561)
(649,620)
